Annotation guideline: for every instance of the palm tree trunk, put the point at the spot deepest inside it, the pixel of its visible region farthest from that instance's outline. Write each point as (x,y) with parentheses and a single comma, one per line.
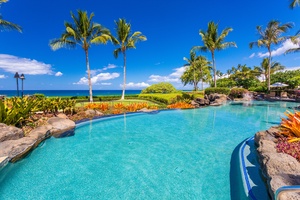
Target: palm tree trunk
(124,76)
(214,68)
(201,79)
(89,74)
(269,70)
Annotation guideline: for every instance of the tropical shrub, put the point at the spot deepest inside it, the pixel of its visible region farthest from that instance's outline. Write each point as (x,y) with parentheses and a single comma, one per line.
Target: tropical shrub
(237,92)
(154,99)
(100,106)
(226,82)
(38,95)
(290,126)
(15,111)
(180,105)
(162,88)
(218,90)
(55,105)
(260,88)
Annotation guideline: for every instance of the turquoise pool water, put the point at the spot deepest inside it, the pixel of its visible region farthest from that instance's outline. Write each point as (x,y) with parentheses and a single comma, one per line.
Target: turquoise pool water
(180,154)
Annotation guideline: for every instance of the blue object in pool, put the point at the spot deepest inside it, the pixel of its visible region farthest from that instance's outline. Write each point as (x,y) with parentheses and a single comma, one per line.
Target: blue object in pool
(181,154)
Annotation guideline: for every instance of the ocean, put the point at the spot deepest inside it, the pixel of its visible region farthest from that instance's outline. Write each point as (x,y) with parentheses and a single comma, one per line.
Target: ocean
(70,93)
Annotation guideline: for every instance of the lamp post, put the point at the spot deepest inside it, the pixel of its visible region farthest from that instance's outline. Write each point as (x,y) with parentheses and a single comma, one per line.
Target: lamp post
(22,77)
(17,77)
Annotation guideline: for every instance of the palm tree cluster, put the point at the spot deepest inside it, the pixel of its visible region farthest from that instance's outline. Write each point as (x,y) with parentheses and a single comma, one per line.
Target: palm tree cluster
(84,32)
(271,35)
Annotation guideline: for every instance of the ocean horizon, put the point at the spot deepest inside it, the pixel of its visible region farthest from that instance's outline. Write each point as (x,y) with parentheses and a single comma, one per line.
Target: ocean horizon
(71,93)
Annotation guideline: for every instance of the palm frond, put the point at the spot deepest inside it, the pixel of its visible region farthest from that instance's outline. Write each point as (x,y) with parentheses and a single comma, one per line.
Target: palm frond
(6,25)
(294,3)
(59,43)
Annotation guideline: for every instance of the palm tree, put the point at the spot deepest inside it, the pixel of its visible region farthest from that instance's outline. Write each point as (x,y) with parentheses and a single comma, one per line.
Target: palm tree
(269,36)
(263,68)
(192,66)
(212,42)
(198,68)
(125,41)
(6,25)
(83,32)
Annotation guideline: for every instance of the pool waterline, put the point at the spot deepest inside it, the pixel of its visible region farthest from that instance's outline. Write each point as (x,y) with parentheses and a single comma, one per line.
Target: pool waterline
(174,154)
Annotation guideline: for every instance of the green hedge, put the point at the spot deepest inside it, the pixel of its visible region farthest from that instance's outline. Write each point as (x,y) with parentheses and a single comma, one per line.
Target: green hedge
(154,99)
(218,90)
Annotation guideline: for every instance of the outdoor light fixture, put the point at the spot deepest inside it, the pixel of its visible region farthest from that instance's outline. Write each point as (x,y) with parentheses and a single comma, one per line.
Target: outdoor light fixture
(17,77)
(22,77)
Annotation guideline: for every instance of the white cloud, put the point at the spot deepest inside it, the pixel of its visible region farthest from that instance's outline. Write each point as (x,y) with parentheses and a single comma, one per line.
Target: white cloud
(2,76)
(252,55)
(98,78)
(292,68)
(136,85)
(58,74)
(288,44)
(109,66)
(13,64)
(173,77)
(106,84)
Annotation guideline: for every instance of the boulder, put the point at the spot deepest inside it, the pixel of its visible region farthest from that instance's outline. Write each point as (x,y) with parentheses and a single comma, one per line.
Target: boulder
(15,149)
(217,99)
(60,126)
(10,132)
(202,102)
(92,113)
(62,115)
(279,169)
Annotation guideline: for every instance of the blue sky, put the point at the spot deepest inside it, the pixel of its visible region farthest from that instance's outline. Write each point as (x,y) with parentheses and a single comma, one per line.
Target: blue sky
(171,28)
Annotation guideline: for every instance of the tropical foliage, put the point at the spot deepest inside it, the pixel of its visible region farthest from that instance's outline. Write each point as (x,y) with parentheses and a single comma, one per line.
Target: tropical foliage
(180,105)
(269,36)
(83,32)
(124,40)
(290,126)
(214,42)
(163,88)
(290,77)
(219,90)
(119,108)
(15,111)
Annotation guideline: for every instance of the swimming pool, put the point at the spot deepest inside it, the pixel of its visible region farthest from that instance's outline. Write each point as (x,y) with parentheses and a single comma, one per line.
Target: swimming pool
(179,154)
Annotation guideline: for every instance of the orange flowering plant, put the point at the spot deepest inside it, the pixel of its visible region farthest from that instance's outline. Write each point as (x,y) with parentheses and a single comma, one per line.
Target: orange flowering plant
(290,126)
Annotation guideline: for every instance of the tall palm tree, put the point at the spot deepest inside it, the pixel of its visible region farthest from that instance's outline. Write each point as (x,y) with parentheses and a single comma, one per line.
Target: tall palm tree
(264,66)
(271,35)
(212,42)
(83,32)
(125,41)
(6,25)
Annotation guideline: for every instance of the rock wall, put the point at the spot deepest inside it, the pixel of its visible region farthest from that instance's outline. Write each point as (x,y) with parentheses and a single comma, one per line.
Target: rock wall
(279,169)
(14,145)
